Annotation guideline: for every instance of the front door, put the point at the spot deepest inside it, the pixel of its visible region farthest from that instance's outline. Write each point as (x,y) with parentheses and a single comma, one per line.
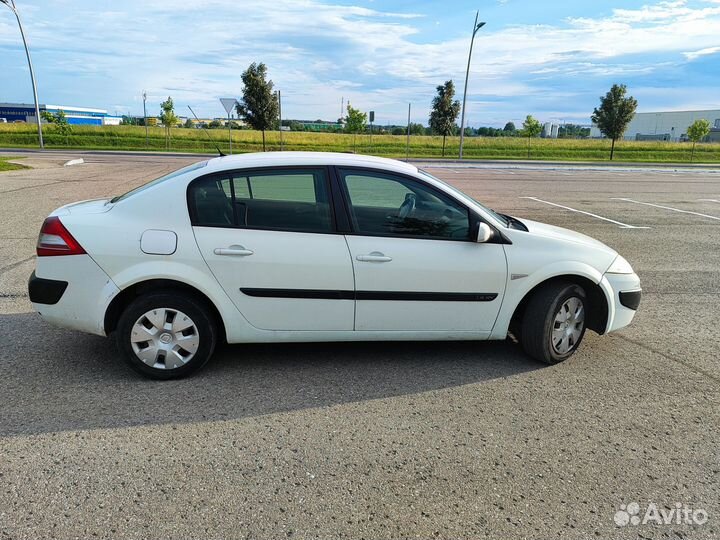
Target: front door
(416,267)
(268,236)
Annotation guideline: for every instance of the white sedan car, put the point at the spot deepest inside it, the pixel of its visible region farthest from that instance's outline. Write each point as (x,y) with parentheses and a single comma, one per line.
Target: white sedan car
(289,247)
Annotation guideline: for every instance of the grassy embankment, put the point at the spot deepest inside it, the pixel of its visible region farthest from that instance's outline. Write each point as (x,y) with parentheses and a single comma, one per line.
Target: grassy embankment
(194,140)
(5,166)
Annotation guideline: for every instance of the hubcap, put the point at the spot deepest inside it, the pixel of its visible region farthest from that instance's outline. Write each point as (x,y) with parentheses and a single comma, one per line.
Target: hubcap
(568,325)
(165,338)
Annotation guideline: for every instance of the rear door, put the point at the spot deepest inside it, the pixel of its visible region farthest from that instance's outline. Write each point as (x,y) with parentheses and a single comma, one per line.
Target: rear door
(269,238)
(416,266)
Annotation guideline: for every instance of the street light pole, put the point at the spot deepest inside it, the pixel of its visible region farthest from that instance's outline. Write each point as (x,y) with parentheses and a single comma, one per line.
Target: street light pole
(13,8)
(145,117)
(476,26)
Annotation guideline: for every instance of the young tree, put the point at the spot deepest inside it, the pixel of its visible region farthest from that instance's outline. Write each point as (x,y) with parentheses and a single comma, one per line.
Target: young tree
(531,128)
(62,126)
(696,132)
(355,122)
(444,111)
(258,105)
(614,114)
(168,118)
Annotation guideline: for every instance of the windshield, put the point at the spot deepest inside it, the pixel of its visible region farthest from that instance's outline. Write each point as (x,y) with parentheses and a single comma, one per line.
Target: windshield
(152,183)
(500,217)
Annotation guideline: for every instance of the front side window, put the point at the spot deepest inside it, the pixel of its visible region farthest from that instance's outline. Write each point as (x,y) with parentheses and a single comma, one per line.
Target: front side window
(386,205)
(288,200)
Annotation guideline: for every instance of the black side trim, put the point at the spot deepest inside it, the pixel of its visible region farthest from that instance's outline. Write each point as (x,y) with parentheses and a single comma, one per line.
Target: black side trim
(631,299)
(45,291)
(320,294)
(426,296)
(324,294)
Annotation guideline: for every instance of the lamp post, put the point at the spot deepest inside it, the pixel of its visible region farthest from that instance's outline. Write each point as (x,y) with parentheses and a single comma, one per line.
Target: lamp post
(144,94)
(476,26)
(13,8)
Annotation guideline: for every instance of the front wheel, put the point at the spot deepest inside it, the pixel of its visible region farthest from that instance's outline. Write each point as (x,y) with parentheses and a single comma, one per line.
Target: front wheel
(166,335)
(554,322)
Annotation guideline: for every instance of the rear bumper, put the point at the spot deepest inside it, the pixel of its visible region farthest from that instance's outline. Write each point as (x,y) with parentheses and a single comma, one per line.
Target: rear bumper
(45,291)
(72,291)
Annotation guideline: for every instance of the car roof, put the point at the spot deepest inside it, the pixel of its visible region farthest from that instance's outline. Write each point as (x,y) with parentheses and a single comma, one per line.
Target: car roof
(285,159)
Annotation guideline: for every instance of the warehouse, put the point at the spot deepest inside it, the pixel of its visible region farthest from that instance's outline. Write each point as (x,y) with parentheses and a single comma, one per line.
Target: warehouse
(25,112)
(667,125)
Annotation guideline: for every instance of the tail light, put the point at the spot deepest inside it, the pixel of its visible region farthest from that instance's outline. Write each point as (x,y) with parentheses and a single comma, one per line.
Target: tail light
(55,239)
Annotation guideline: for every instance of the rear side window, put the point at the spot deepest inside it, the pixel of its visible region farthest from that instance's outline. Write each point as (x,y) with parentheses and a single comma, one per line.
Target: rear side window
(285,200)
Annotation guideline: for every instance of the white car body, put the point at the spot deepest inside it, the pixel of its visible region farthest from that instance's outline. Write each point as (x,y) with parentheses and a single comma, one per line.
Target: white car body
(149,236)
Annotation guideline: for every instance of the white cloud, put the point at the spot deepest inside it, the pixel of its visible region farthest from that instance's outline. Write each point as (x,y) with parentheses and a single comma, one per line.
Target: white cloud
(693,55)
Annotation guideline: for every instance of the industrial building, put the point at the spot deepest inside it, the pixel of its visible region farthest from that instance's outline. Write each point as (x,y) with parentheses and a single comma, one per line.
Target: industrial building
(25,112)
(667,125)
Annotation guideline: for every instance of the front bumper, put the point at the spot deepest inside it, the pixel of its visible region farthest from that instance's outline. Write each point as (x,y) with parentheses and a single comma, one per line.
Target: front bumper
(624,294)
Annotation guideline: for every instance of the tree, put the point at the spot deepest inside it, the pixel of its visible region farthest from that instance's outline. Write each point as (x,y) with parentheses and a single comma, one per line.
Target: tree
(189,124)
(510,127)
(168,118)
(355,121)
(47,116)
(696,132)
(614,114)
(531,128)
(215,124)
(59,120)
(258,105)
(416,129)
(444,111)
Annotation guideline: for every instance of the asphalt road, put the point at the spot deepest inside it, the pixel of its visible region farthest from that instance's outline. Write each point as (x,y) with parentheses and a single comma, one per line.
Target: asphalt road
(376,440)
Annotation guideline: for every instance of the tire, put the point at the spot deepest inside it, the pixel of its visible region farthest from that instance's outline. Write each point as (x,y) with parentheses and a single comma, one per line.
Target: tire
(181,333)
(552,327)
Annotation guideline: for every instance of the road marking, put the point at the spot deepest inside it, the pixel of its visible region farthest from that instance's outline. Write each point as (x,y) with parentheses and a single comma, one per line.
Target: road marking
(709,200)
(716,218)
(622,225)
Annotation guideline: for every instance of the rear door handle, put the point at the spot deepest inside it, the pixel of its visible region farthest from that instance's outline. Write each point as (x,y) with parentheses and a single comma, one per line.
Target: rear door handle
(375,256)
(233,251)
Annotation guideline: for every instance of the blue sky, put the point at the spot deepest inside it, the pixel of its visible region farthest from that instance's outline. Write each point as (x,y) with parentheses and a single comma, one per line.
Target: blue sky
(552,59)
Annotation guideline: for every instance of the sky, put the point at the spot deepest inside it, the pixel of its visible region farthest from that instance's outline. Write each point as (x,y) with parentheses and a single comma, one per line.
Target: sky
(549,58)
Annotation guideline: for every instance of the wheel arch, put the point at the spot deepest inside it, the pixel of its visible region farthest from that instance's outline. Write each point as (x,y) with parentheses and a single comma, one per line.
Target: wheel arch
(597,315)
(128,294)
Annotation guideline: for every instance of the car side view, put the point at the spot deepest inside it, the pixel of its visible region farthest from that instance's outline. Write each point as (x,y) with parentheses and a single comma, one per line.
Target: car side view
(294,246)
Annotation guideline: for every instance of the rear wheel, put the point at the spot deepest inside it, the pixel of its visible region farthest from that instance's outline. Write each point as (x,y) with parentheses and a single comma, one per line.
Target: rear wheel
(166,335)
(554,322)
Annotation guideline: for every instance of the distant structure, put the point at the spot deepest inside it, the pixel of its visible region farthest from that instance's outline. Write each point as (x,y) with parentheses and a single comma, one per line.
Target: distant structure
(550,130)
(25,112)
(667,125)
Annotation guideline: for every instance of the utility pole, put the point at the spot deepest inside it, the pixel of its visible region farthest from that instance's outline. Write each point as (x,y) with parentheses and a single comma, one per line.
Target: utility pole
(282,145)
(13,8)
(145,117)
(476,26)
(407,147)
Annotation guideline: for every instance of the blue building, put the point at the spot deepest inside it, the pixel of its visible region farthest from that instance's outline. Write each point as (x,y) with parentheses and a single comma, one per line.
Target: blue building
(25,112)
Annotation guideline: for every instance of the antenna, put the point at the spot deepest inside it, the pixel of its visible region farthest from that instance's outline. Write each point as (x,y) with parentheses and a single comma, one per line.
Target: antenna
(206,133)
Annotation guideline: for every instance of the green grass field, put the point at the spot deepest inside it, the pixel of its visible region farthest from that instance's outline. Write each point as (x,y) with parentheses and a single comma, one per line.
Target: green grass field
(195,140)
(5,166)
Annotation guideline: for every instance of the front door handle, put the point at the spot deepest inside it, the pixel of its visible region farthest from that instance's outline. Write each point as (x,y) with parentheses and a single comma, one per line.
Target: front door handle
(236,251)
(375,256)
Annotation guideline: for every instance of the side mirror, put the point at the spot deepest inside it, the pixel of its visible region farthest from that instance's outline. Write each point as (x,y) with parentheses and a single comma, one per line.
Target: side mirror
(485,233)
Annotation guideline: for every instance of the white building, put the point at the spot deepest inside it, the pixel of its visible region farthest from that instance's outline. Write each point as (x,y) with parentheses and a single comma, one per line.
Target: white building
(664,126)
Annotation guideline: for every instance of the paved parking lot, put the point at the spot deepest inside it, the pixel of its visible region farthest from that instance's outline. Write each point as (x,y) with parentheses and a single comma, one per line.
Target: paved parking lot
(376,440)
